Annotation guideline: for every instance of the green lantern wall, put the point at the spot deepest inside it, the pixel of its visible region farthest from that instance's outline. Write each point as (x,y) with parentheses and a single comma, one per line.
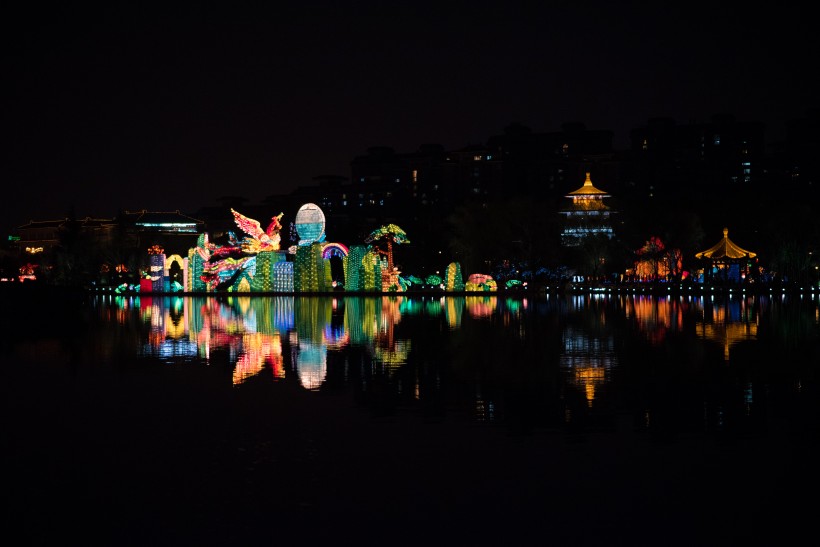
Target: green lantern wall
(324,280)
(354,269)
(263,276)
(371,264)
(263,280)
(308,269)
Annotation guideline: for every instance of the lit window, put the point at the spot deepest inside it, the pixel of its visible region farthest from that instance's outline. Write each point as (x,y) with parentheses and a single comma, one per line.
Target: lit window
(565,148)
(716,140)
(645,145)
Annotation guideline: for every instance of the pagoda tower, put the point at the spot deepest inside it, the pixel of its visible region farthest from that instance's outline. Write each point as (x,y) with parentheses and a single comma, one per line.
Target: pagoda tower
(587,215)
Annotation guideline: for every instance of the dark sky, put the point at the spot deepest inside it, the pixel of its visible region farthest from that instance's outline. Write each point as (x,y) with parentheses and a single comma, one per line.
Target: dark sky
(131,107)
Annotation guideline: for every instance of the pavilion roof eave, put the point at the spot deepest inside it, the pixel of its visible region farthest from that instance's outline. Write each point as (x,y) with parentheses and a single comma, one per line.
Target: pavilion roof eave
(588,189)
(725,248)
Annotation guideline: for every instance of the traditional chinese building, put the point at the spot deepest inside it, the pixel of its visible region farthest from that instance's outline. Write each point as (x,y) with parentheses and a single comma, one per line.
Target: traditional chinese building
(587,215)
(42,236)
(727,262)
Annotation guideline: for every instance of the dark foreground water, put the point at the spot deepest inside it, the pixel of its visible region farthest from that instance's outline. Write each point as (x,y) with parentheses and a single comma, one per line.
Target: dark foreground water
(556,420)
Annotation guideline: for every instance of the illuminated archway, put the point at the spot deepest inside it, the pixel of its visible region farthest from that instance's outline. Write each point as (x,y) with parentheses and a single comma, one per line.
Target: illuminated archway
(183,269)
(334,254)
(334,249)
(173,258)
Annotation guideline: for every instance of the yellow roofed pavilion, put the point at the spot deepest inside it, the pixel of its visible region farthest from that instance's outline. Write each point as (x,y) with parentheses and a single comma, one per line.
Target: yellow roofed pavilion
(728,262)
(725,248)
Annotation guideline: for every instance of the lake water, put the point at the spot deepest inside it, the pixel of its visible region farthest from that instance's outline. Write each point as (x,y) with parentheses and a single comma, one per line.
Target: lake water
(590,419)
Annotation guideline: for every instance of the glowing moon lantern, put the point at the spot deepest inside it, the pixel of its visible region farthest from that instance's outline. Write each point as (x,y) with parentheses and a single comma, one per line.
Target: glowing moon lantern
(310,224)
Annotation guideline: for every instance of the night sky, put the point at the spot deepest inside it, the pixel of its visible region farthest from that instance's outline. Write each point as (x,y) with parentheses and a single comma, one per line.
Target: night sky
(129,107)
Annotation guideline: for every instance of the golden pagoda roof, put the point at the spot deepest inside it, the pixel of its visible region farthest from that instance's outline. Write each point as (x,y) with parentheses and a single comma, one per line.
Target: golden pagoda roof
(588,189)
(726,248)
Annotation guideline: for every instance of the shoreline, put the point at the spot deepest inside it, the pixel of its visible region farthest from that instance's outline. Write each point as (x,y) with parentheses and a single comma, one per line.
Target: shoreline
(662,289)
(638,288)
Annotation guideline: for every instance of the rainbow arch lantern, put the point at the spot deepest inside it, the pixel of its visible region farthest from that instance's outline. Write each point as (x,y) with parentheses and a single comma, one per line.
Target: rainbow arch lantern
(334,249)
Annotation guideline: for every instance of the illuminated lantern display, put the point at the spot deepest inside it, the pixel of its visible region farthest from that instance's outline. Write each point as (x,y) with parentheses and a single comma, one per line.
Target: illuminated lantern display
(257,239)
(388,235)
(312,269)
(255,264)
(337,251)
(196,260)
(354,268)
(310,224)
(433,281)
(263,280)
(232,267)
(480,282)
(283,277)
(157,268)
(308,268)
(453,279)
(656,262)
(27,272)
(372,266)
(146,285)
(327,279)
(241,280)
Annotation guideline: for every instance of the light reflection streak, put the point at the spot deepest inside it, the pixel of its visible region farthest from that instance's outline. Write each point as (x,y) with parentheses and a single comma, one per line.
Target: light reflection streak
(588,359)
(254,330)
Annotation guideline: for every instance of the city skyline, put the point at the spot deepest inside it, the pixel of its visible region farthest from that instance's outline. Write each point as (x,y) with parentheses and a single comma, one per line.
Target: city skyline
(115,109)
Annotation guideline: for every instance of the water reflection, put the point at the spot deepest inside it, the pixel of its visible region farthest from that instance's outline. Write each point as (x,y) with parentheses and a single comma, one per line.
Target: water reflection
(573,362)
(174,405)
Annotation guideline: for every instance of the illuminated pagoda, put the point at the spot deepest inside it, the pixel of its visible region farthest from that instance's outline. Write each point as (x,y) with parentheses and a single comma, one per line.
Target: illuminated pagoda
(726,261)
(587,216)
